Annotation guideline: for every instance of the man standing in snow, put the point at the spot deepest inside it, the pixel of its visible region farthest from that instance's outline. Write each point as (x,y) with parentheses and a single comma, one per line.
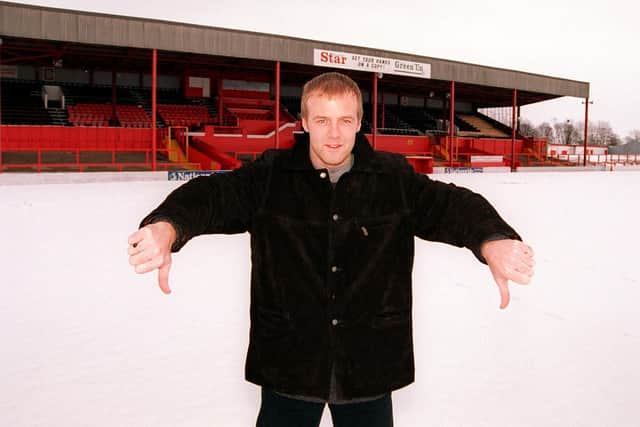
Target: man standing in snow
(332,226)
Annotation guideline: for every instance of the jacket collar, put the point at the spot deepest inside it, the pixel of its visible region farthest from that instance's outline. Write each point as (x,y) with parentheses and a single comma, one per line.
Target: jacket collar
(363,154)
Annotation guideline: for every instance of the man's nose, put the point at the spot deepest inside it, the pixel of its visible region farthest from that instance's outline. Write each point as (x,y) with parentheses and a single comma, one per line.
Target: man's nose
(333,130)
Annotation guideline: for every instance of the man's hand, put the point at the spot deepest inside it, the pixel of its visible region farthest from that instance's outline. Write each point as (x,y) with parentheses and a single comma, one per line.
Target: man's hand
(150,248)
(508,260)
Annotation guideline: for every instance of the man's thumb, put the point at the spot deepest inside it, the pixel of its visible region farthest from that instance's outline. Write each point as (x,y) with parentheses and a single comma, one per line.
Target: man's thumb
(163,278)
(503,285)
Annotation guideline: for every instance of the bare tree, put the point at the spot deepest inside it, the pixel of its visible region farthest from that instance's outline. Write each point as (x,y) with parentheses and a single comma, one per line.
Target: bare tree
(544,130)
(570,132)
(633,137)
(566,132)
(601,133)
(525,127)
(615,140)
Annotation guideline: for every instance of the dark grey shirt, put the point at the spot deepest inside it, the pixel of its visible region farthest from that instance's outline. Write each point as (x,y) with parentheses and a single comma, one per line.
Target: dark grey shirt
(336,173)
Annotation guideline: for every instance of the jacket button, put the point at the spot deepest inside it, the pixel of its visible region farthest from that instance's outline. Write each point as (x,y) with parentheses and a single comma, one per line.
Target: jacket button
(334,269)
(335,217)
(333,296)
(335,322)
(323,175)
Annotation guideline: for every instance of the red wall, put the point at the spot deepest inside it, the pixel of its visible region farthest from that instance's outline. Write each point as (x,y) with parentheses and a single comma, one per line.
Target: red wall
(48,138)
(402,144)
(491,146)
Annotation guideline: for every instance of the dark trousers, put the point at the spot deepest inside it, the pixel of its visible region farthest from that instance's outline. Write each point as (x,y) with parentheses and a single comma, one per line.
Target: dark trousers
(281,411)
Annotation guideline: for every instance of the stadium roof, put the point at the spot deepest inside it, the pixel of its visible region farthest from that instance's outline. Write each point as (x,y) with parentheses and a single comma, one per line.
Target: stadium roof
(42,35)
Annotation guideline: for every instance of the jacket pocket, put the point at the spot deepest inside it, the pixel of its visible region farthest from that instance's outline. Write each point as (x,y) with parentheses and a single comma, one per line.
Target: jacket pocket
(373,227)
(270,323)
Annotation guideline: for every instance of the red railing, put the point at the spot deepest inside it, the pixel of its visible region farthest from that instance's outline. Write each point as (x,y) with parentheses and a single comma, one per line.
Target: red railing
(233,141)
(35,143)
(596,159)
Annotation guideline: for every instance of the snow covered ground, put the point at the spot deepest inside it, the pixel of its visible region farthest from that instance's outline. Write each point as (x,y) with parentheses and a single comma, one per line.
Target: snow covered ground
(87,342)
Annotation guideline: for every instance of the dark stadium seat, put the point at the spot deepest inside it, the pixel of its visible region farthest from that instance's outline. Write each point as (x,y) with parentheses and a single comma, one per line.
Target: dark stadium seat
(184,115)
(132,116)
(90,114)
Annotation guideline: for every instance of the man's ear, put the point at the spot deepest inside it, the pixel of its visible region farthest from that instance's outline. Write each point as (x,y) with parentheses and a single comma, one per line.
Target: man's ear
(304,125)
(359,125)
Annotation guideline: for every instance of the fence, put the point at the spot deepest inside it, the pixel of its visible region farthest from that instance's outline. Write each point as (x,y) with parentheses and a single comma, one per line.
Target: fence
(82,148)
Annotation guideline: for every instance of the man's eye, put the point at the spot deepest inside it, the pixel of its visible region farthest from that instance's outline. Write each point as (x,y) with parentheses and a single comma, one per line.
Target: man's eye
(347,121)
(321,121)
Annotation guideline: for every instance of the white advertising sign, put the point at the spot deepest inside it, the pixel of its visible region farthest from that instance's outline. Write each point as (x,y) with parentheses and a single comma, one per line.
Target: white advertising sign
(486,159)
(356,61)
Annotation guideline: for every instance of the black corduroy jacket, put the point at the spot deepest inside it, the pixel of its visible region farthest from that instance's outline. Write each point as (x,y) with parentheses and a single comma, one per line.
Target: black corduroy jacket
(331,267)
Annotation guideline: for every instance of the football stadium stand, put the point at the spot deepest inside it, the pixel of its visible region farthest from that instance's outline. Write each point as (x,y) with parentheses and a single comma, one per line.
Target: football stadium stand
(152,98)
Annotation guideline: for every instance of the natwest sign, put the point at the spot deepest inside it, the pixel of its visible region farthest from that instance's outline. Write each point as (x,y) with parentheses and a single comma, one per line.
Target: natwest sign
(376,64)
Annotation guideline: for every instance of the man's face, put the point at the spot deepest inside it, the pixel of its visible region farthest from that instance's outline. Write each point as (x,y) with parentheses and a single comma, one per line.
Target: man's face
(332,124)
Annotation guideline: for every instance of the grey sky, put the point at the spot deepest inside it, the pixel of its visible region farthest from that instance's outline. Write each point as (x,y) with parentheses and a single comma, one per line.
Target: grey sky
(580,40)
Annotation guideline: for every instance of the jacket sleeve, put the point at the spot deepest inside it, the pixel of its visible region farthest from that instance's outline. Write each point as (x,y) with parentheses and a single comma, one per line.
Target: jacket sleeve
(219,203)
(454,215)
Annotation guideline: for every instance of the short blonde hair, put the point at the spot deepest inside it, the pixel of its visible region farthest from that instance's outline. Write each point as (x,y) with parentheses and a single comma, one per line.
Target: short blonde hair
(330,84)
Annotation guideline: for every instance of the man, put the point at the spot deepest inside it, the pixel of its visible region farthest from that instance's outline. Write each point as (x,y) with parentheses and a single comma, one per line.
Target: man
(332,226)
